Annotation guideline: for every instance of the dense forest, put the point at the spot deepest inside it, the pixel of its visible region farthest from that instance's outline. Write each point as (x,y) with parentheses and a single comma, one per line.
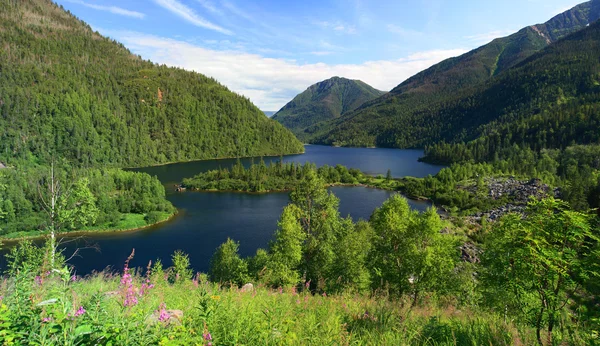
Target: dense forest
(85,199)
(323,101)
(66,90)
(522,84)
(277,176)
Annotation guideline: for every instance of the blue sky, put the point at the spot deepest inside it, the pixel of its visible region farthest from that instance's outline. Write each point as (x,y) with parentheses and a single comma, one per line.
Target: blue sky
(270,50)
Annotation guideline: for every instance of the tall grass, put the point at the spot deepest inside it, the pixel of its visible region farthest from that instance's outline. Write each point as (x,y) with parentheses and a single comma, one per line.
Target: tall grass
(43,309)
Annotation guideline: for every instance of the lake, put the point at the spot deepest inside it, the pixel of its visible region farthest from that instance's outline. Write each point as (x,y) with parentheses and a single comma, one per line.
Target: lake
(207,219)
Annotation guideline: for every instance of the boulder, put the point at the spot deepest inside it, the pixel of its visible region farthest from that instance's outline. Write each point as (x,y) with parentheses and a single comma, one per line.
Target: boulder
(247,287)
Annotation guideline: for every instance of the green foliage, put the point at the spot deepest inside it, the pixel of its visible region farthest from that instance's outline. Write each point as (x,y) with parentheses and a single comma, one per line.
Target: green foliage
(276,176)
(285,251)
(25,258)
(67,90)
(57,310)
(410,255)
(91,199)
(226,266)
(181,270)
(534,265)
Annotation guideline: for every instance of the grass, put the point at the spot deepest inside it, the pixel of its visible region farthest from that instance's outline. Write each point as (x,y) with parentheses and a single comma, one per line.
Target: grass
(128,222)
(233,317)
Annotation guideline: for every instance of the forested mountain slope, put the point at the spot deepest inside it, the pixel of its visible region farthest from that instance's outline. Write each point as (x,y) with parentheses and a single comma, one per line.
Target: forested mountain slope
(325,100)
(66,90)
(402,118)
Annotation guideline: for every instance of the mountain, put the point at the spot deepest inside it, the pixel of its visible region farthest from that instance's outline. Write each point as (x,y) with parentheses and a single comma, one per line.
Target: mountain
(66,90)
(396,119)
(323,101)
(269,114)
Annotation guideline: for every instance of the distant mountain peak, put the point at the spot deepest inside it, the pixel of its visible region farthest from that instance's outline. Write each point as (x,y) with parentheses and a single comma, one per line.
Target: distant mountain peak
(325,100)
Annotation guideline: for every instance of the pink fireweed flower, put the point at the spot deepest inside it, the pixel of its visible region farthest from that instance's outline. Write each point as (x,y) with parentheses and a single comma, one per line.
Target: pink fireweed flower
(79,311)
(129,293)
(207,336)
(38,280)
(73,278)
(46,319)
(163,315)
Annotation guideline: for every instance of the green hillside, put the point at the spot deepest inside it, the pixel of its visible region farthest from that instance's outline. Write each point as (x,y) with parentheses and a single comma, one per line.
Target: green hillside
(324,101)
(66,89)
(414,114)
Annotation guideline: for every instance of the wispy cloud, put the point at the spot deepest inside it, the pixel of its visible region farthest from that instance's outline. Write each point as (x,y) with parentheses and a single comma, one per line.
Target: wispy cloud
(405,33)
(271,83)
(336,26)
(210,6)
(238,12)
(112,9)
(190,15)
(321,53)
(488,36)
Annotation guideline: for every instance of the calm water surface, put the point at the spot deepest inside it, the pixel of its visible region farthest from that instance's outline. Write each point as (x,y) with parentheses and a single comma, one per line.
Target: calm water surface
(206,220)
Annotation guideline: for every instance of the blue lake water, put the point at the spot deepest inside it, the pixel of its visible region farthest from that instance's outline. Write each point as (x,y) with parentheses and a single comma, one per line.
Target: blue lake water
(206,220)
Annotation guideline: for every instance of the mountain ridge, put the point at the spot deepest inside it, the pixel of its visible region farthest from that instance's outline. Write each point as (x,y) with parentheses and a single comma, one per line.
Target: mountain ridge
(375,123)
(68,91)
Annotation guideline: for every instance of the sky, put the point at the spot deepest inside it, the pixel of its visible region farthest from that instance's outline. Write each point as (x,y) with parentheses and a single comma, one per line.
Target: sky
(271,50)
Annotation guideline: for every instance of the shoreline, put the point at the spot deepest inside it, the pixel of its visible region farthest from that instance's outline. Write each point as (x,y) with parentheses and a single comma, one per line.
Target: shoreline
(414,198)
(5,241)
(215,159)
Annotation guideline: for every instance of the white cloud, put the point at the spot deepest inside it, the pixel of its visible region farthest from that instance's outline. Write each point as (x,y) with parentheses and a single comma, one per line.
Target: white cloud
(488,36)
(190,15)
(271,83)
(111,9)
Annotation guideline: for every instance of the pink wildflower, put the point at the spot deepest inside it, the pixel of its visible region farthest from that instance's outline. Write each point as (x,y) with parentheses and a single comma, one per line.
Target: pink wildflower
(163,315)
(79,311)
(127,284)
(38,280)
(46,319)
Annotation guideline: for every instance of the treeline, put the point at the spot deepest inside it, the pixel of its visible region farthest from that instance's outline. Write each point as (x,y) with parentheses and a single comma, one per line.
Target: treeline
(83,198)
(404,253)
(276,176)
(576,170)
(66,90)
